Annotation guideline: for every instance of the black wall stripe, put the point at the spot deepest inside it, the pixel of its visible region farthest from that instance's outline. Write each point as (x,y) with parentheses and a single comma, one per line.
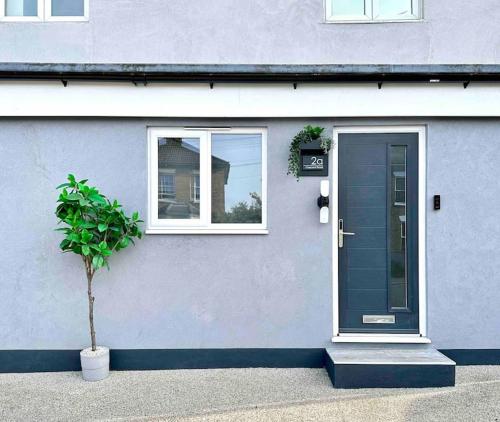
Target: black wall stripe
(20,361)
(465,357)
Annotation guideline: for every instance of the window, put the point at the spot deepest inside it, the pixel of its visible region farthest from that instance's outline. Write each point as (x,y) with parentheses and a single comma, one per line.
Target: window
(398,254)
(373,10)
(44,10)
(207,181)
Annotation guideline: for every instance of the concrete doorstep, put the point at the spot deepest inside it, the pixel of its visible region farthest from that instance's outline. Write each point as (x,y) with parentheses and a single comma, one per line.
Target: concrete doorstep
(389,366)
(243,395)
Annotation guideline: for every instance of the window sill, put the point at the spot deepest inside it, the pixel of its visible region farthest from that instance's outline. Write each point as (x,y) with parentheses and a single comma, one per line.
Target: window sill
(67,19)
(207,231)
(370,21)
(8,19)
(48,20)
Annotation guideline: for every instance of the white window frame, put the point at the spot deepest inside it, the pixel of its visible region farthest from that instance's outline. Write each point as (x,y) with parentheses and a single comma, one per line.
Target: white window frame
(371,11)
(202,225)
(5,18)
(44,14)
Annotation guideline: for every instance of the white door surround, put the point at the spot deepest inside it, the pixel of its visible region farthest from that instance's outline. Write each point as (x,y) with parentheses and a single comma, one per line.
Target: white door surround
(422,200)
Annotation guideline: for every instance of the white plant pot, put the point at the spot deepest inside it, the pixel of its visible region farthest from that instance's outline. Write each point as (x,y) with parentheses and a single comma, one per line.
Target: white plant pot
(95,365)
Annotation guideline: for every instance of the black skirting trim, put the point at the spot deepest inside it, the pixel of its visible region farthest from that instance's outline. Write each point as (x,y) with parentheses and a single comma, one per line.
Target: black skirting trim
(465,357)
(19,361)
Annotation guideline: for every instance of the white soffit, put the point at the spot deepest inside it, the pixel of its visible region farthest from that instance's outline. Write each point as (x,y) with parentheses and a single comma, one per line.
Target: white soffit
(103,99)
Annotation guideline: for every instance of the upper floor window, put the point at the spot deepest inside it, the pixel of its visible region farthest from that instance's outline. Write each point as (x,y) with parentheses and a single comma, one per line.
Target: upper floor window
(373,10)
(44,10)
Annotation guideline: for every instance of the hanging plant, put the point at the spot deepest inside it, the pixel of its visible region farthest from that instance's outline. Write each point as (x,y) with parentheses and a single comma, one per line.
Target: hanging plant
(305,136)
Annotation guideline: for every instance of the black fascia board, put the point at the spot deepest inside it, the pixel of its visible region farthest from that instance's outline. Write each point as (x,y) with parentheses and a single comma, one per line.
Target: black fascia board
(145,73)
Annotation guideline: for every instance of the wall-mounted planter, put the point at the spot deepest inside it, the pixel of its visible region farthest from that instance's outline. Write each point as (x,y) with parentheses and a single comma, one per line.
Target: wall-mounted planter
(309,153)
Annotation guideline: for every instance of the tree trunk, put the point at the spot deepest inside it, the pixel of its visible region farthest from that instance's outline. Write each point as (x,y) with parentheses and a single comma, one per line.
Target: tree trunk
(90,275)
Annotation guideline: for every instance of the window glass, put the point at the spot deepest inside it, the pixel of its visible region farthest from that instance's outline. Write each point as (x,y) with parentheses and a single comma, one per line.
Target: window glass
(348,7)
(237,178)
(398,281)
(178,166)
(68,8)
(394,9)
(21,8)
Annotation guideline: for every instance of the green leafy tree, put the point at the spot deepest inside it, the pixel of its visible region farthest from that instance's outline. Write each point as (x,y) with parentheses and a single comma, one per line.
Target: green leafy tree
(95,228)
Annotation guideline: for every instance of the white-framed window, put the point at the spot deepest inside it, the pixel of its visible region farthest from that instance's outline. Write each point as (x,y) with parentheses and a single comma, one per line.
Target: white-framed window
(44,10)
(373,10)
(207,181)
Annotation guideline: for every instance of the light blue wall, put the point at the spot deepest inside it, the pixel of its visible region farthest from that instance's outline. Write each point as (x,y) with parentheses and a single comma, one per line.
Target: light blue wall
(257,31)
(215,291)
(464,237)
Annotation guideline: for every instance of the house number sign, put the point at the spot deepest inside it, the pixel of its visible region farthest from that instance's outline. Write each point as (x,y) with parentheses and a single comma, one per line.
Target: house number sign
(313,162)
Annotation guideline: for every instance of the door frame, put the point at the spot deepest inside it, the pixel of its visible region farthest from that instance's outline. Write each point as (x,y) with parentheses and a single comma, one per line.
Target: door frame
(421,337)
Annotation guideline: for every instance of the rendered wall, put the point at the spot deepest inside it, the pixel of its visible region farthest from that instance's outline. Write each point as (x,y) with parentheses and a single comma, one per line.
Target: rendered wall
(228,291)
(258,31)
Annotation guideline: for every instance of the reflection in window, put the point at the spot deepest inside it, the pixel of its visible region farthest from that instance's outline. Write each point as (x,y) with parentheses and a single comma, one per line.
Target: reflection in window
(68,8)
(399,188)
(398,281)
(166,186)
(178,163)
(348,8)
(21,8)
(395,9)
(237,178)
(195,188)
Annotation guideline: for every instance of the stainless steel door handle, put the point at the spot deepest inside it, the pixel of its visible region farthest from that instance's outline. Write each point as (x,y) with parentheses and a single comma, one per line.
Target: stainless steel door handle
(342,233)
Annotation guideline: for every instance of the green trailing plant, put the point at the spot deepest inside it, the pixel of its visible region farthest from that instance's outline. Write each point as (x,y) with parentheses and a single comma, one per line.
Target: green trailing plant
(95,228)
(305,136)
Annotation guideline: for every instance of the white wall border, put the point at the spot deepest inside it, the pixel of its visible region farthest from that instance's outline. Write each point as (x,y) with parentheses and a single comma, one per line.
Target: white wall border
(422,239)
(123,99)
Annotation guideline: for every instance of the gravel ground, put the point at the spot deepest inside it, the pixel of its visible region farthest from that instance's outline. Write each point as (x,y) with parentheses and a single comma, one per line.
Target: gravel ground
(242,395)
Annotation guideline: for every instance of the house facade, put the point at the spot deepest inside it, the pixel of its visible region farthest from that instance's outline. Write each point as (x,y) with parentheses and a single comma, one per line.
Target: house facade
(186,114)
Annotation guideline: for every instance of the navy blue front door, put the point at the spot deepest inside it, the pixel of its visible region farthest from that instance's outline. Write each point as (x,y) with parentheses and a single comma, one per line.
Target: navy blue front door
(378,212)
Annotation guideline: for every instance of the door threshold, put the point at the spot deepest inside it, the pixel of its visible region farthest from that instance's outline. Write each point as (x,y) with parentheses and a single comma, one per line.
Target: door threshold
(381,338)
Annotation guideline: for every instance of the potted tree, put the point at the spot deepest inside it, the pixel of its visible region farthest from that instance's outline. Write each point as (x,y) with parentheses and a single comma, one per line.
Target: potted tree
(94,229)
